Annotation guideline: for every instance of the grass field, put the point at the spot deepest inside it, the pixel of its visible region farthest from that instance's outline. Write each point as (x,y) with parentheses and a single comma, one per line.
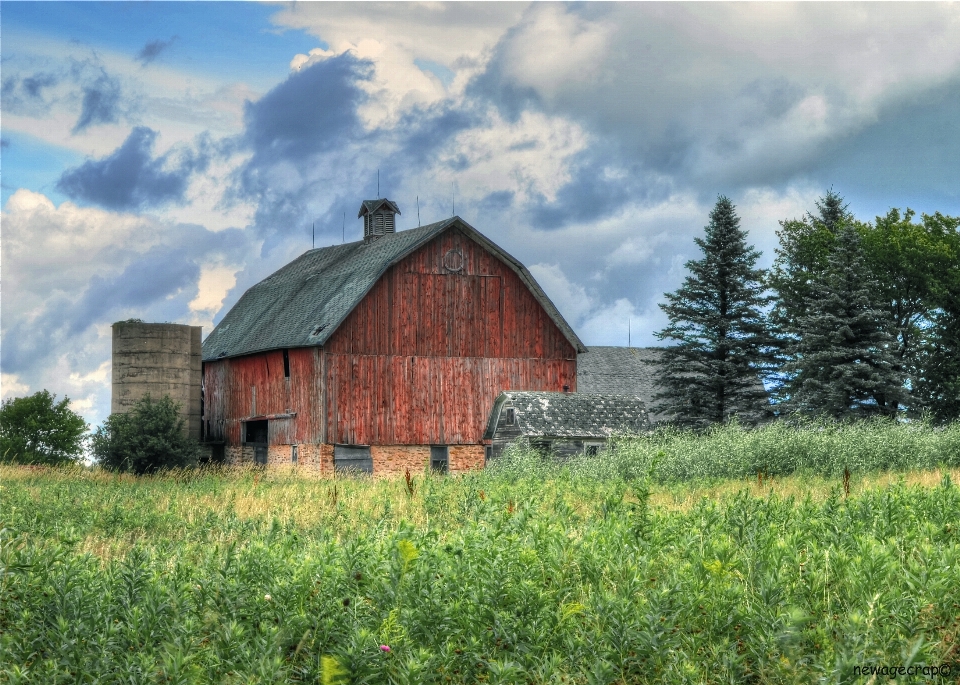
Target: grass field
(610,571)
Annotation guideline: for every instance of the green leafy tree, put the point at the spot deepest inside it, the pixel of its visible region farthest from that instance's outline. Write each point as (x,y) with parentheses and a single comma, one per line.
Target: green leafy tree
(38,430)
(150,437)
(914,264)
(936,386)
(723,344)
(843,363)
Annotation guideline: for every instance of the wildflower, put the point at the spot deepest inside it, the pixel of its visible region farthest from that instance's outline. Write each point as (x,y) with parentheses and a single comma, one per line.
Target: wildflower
(384,648)
(267,598)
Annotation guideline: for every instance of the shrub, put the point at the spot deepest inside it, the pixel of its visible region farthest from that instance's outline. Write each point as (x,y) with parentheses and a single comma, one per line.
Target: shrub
(36,430)
(149,438)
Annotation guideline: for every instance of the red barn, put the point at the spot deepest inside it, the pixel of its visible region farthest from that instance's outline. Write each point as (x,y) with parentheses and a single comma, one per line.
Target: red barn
(383,354)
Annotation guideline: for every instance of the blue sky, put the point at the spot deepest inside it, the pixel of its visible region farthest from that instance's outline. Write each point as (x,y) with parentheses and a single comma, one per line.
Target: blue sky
(159,158)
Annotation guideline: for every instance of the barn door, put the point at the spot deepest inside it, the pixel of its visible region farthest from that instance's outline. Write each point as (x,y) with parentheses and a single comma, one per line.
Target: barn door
(256,436)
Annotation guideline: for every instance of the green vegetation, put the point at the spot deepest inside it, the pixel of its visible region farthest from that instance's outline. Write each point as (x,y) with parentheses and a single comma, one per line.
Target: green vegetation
(148,438)
(865,320)
(524,573)
(39,430)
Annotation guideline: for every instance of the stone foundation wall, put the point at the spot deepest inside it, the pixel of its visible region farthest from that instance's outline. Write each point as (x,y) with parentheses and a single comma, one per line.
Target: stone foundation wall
(466,458)
(388,460)
(394,459)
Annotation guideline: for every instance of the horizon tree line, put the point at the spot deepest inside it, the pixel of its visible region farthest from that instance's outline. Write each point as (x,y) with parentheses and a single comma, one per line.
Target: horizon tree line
(853,320)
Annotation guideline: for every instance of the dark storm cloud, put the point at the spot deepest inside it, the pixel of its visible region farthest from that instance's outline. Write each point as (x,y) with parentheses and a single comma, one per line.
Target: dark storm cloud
(152,50)
(426,131)
(306,125)
(313,110)
(101,102)
(130,177)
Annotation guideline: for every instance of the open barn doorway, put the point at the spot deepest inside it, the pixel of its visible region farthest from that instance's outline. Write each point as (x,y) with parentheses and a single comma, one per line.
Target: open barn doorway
(256,436)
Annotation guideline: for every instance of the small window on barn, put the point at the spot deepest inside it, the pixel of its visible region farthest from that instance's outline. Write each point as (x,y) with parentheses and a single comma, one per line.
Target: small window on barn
(487,453)
(286,364)
(352,459)
(511,417)
(591,450)
(440,458)
(293,454)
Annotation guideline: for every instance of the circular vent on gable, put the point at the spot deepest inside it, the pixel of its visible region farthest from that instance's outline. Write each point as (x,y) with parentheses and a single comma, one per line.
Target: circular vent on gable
(453,260)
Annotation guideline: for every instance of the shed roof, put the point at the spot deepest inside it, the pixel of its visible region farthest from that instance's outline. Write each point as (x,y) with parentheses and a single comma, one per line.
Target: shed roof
(570,415)
(303,303)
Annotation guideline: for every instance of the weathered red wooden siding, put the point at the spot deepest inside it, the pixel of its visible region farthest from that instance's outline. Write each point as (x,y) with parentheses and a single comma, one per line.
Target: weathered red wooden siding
(229,395)
(424,355)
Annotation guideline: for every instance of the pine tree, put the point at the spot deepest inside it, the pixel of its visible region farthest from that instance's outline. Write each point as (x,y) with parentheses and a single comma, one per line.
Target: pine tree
(842,365)
(723,344)
(805,247)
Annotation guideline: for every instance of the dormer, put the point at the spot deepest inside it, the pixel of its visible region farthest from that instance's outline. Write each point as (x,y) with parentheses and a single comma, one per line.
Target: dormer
(379,218)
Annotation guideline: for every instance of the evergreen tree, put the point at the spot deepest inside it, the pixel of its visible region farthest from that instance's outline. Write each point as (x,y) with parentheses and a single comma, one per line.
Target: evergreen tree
(723,344)
(805,247)
(842,365)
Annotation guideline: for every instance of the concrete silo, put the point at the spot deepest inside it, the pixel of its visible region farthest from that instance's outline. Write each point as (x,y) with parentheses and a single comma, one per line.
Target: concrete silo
(157,359)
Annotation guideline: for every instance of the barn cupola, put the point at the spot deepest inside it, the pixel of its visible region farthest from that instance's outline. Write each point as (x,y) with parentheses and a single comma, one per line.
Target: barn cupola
(379,218)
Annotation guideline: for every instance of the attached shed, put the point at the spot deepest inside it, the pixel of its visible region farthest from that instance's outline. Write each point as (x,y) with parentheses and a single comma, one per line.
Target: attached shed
(563,423)
(383,354)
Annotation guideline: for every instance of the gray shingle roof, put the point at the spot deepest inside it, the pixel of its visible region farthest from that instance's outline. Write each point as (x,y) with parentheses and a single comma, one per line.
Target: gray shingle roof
(571,415)
(624,370)
(303,303)
(619,370)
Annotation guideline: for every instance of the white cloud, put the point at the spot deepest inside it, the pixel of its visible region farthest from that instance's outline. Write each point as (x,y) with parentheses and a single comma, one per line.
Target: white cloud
(215,282)
(10,386)
(455,36)
(529,157)
(551,49)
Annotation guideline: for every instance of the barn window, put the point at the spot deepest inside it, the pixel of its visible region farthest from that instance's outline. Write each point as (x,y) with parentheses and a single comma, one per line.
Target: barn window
(352,459)
(591,449)
(286,364)
(453,260)
(487,453)
(511,417)
(293,454)
(440,458)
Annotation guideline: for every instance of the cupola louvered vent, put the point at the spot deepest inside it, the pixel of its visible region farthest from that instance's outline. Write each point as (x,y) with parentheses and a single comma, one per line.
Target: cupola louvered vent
(379,218)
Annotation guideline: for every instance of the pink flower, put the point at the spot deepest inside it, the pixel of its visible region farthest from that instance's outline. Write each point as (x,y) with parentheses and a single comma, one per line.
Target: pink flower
(384,648)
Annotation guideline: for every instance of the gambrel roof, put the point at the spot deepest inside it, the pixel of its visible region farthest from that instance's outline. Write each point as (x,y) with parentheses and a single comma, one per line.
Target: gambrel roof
(303,303)
(570,414)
